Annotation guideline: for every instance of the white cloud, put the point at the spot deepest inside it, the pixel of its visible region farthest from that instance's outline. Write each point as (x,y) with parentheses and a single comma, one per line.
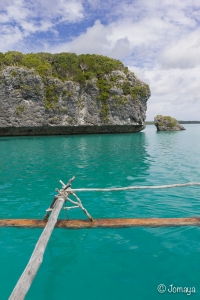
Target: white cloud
(121,48)
(122,35)
(17,11)
(36,16)
(175,92)
(10,36)
(65,10)
(183,54)
(94,40)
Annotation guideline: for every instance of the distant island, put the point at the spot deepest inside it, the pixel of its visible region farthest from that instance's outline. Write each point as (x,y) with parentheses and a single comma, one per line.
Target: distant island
(65,93)
(181,122)
(167,123)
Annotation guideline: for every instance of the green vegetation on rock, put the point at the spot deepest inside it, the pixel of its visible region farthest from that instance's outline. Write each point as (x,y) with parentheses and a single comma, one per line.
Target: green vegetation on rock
(36,89)
(126,87)
(51,96)
(19,110)
(119,101)
(104,89)
(25,87)
(171,122)
(104,111)
(64,66)
(135,91)
(14,73)
(142,91)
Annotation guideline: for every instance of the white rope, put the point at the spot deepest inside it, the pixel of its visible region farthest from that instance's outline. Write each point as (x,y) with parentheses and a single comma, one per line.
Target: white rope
(134,187)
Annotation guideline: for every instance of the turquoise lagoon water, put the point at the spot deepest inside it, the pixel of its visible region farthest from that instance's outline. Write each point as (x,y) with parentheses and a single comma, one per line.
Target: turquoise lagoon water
(103,264)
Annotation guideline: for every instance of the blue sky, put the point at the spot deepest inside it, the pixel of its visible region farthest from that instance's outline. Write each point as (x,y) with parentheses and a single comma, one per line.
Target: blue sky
(159,40)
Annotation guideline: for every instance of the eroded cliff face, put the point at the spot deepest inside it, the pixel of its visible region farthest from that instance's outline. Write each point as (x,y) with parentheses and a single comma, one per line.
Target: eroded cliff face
(28,100)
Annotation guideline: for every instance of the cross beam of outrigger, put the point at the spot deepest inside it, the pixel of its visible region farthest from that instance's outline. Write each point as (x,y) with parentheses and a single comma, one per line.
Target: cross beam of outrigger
(104,223)
(50,221)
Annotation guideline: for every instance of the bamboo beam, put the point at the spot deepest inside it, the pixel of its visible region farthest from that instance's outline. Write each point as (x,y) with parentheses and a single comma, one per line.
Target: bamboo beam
(36,259)
(104,223)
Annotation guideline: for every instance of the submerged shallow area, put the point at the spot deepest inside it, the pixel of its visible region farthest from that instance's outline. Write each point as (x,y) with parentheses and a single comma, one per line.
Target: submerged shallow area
(126,263)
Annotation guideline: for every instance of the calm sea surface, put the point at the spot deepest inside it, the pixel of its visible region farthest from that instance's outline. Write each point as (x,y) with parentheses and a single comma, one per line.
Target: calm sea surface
(103,264)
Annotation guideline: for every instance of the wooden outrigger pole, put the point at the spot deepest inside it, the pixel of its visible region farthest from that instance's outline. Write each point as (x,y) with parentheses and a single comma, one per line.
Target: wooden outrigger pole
(36,259)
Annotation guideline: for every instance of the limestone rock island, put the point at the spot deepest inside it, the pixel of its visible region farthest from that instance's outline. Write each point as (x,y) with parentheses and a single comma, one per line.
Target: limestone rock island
(43,93)
(166,123)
